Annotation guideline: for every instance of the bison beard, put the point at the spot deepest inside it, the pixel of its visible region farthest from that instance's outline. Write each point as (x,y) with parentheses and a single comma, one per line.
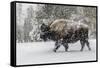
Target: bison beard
(64,32)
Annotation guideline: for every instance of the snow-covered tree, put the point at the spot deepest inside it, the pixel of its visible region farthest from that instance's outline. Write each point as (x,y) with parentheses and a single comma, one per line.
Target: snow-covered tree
(19,27)
(28,24)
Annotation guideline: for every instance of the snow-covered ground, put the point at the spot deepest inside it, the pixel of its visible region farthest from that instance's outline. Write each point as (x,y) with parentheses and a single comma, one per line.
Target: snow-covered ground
(42,52)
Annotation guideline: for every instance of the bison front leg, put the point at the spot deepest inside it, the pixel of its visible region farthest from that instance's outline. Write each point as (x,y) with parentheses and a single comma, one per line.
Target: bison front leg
(57,45)
(66,47)
(65,44)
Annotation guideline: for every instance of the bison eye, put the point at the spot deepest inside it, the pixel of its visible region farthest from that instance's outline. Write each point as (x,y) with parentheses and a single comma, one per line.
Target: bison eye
(44,28)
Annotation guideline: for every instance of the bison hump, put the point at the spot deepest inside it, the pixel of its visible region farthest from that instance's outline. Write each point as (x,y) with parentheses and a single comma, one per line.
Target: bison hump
(58,25)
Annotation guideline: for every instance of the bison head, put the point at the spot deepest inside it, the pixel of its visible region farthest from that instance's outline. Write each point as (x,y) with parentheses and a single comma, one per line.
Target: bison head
(44,32)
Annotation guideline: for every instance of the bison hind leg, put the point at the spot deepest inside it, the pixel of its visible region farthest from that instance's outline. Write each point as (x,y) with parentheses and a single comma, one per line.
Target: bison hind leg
(87,43)
(82,44)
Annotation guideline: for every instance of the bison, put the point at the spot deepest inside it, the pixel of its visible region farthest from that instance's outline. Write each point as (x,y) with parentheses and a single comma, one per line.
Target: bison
(64,31)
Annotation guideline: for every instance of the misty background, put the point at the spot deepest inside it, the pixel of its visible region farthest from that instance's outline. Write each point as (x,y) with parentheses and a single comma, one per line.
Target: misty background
(31,16)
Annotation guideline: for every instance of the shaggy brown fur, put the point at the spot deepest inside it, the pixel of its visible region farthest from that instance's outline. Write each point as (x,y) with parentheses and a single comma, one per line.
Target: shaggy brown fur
(58,26)
(63,26)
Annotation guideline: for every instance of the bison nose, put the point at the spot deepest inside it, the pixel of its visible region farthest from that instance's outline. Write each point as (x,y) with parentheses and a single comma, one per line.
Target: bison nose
(41,35)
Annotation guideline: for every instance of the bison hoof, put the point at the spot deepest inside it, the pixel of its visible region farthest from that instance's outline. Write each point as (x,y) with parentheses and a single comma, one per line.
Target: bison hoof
(66,50)
(90,49)
(81,50)
(54,50)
